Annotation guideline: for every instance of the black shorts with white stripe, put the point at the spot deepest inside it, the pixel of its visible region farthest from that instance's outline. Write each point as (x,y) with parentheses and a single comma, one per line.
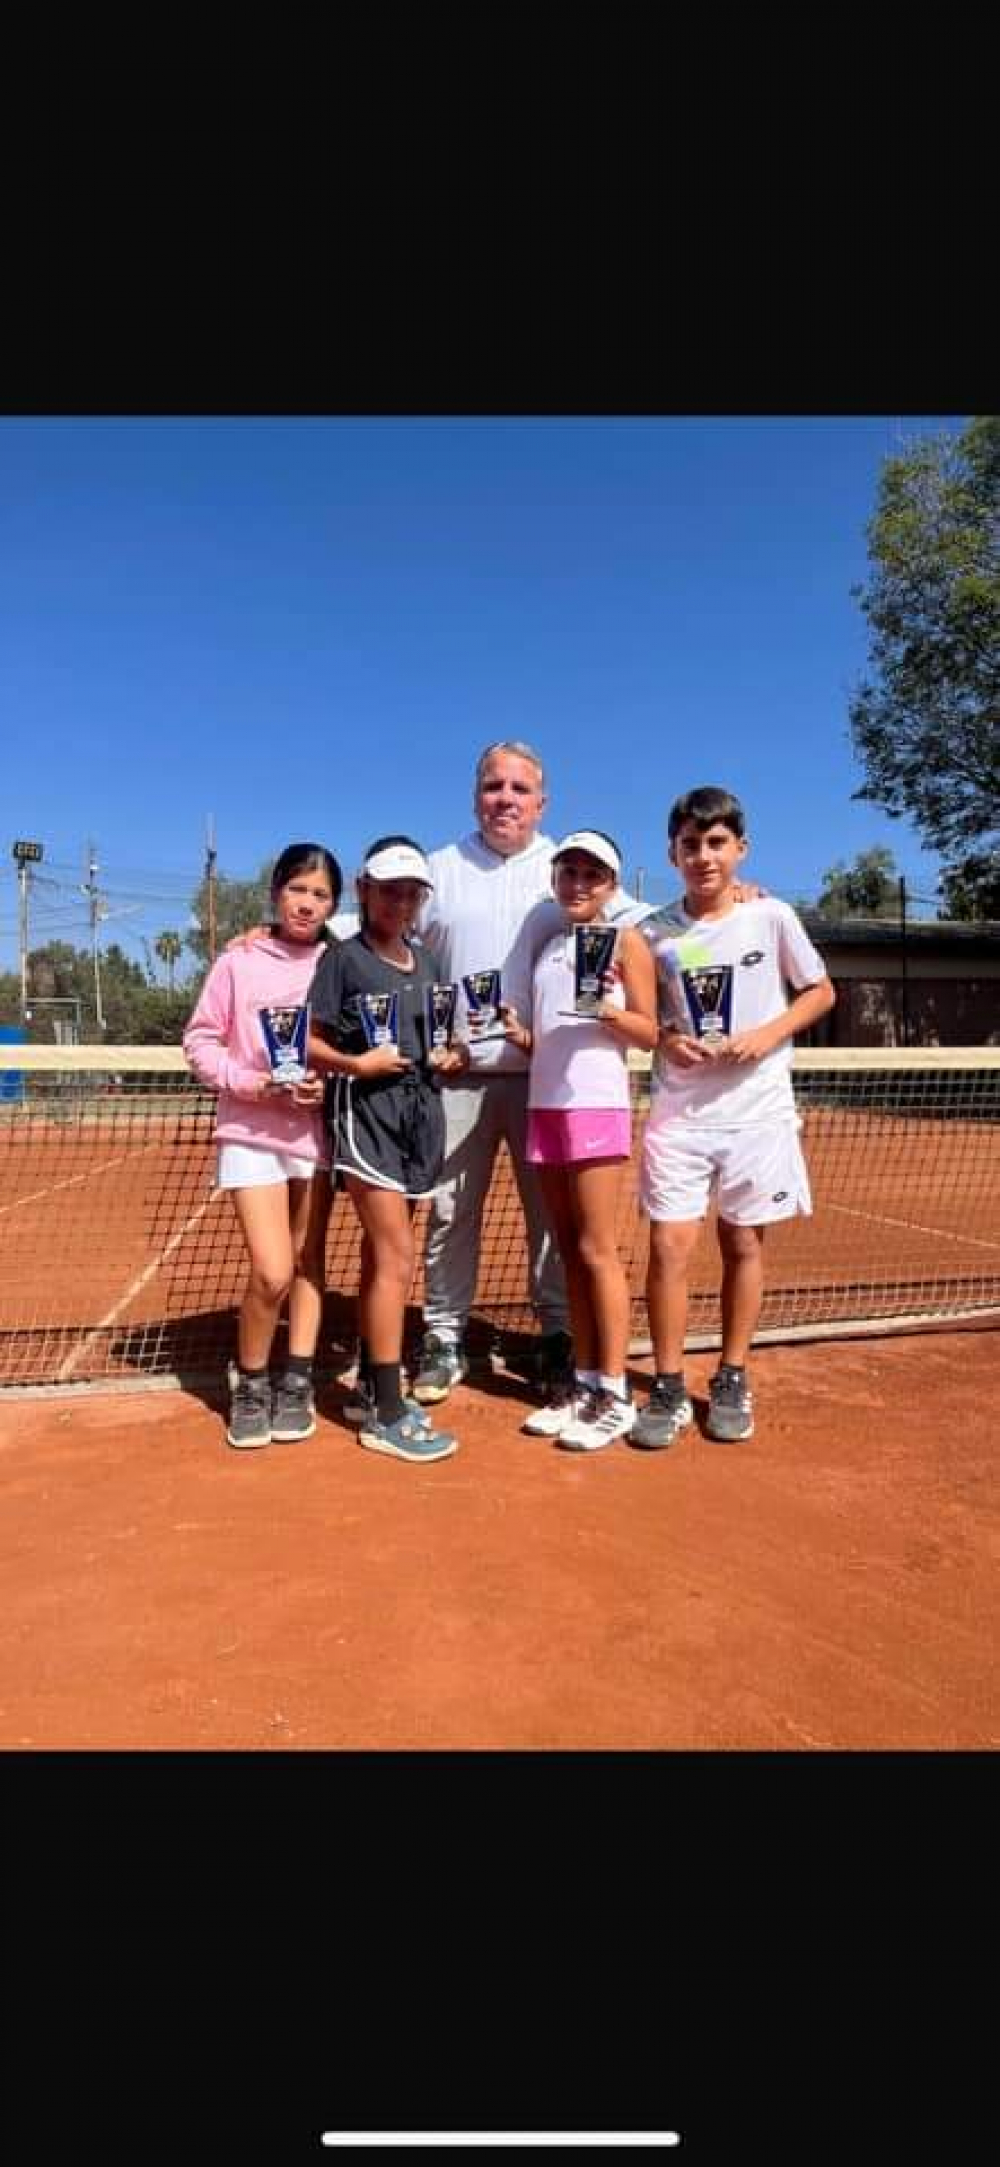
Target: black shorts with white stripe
(390,1134)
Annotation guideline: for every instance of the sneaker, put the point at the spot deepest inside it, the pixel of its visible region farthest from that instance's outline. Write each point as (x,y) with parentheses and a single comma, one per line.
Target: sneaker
(730,1406)
(550,1421)
(293,1412)
(601,1417)
(250,1411)
(406,1439)
(550,1366)
(666,1413)
(360,1404)
(442,1363)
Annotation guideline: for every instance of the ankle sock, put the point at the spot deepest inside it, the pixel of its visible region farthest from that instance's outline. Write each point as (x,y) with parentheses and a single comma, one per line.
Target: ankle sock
(385,1378)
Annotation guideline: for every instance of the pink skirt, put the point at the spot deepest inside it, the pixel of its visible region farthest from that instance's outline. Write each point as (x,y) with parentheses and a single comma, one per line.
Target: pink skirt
(559,1136)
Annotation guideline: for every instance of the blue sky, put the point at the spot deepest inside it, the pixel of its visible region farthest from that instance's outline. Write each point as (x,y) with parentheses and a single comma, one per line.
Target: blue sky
(309,627)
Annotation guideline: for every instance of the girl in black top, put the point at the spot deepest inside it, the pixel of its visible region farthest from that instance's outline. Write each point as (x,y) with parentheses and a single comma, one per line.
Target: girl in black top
(386,1120)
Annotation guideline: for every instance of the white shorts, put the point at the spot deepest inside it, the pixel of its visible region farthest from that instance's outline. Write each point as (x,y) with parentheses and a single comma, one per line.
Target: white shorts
(252,1166)
(758,1173)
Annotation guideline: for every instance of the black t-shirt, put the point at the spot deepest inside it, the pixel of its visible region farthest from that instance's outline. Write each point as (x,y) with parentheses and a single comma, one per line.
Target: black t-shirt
(351,969)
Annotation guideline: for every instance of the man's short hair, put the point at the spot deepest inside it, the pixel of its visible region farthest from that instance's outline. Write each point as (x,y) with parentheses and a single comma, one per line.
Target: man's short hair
(705,806)
(515,745)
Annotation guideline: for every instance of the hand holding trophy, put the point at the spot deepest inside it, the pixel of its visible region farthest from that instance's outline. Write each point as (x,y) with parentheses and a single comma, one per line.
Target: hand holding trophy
(379,1016)
(709,995)
(286,1035)
(593,958)
(482,992)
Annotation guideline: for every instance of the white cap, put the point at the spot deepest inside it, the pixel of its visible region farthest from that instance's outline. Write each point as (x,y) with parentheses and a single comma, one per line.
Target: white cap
(596,846)
(399,861)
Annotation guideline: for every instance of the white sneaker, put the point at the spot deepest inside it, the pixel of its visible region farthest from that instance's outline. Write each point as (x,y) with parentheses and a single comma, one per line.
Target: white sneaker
(600,1418)
(552,1420)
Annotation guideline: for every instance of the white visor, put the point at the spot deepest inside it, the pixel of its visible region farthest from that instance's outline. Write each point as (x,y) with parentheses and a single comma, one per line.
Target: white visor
(399,861)
(596,846)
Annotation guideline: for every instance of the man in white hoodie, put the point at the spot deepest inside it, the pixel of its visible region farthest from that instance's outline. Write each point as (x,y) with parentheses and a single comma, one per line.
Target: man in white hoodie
(485,888)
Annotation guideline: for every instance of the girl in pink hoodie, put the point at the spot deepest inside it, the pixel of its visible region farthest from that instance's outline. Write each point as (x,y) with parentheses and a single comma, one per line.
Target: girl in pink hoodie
(273,1153)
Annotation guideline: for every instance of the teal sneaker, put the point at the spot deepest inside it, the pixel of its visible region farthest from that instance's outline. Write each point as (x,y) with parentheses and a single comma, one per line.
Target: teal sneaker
(406,1439)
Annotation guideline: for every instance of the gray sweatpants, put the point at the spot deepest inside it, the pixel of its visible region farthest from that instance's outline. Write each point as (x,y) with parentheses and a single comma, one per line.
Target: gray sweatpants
(478,1117)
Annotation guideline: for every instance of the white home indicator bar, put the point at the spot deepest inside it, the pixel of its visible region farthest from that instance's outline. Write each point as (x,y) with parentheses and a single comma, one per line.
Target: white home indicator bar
(509,2137)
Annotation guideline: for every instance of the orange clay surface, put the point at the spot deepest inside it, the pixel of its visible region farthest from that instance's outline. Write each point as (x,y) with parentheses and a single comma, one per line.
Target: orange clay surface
(831,1583)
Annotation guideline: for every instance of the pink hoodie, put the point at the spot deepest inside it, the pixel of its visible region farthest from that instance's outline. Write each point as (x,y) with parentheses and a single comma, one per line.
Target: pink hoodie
(224,1046)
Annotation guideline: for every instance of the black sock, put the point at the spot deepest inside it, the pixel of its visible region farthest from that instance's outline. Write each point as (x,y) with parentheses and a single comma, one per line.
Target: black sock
(732,1369)
(671,1379)
(299,1365)
(253,1374)
(388,1396)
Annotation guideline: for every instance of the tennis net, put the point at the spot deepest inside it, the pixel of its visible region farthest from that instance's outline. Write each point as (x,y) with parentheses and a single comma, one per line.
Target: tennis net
(120,1260)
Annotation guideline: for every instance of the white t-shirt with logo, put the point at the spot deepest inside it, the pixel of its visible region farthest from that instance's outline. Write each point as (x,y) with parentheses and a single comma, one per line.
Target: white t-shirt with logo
(738,970)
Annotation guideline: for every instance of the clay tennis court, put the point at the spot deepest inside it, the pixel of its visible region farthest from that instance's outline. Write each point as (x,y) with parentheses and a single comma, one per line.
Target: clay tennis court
(830,1583)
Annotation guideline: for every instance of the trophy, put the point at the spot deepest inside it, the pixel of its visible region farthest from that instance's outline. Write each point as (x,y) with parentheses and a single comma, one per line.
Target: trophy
(379,1014)
(594,953)
(286,1037)
(710,1001)
(482,991)
(439,1016)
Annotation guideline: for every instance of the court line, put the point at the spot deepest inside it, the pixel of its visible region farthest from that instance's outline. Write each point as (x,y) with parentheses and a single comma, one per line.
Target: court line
(106,1166)
(141,1280)
(909,1226)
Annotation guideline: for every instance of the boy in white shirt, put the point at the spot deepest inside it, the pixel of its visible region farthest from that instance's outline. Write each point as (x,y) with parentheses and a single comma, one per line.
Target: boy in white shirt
(722,1114)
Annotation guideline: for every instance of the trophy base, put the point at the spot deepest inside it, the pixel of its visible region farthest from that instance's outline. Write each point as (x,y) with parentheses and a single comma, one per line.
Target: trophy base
(580,1015)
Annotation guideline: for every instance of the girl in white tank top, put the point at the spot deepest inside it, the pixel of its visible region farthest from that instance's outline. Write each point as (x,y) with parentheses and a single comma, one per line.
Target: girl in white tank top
(579,1131)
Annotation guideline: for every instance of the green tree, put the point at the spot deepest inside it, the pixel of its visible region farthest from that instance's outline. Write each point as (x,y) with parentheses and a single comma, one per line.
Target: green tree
(239,904)
(867,888)
(10,997)
(925,723)
(970,886)
(168,947)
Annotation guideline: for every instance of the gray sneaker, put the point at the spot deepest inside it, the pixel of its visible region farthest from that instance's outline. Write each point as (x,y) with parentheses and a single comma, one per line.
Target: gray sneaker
(406,1439)
(666,1413)
(730,1406)
(442,1364)
(250,1411)
(293,1409)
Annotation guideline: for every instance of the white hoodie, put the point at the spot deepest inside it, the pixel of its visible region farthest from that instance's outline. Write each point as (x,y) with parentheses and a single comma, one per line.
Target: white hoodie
(473,919)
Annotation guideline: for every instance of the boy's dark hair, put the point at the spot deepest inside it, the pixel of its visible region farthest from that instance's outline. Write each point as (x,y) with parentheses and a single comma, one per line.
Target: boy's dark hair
(705,806)
(307,858)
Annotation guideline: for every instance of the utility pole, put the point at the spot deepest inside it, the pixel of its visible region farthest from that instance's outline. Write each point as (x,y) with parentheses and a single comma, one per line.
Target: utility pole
(90,890)
(210,858)
(903,973)
(640,882)
(24,855)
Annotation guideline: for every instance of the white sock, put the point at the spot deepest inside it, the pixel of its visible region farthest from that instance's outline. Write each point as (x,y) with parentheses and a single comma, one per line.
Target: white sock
(617,1385)
(588,1377)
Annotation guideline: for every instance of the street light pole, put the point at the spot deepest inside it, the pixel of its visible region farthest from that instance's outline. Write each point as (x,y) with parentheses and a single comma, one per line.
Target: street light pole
(24,856)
